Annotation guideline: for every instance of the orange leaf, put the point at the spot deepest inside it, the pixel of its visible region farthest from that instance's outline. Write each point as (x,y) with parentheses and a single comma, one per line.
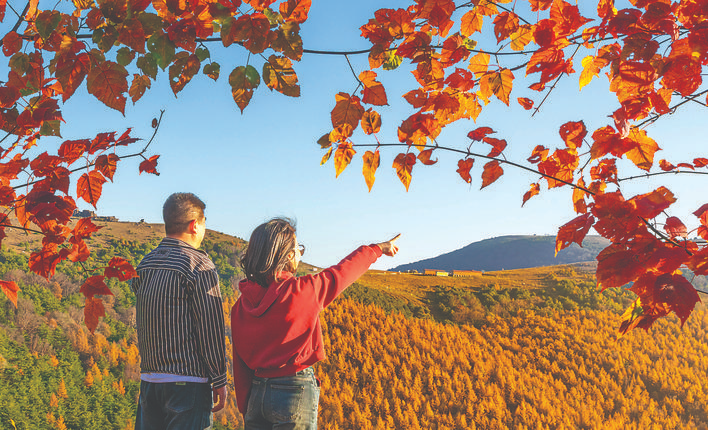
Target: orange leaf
(295,10)
(470,23)
(479,64)
(340,133)
(342,157)
(149,165)
(700,162)
(182,70)
(10,289)
(278,74)
(574,231)
(93,310)
(325,157)
(371,163)
(560,167)
(492,172)
(579,198)
(373,91)
(89,186)
(463,169)
(243,80)
(404,166)
(643,148)
(499,83)
(534,190)
(371,122)
(348,110)
(538,154)
(121,269)
(424,157)
(138,86)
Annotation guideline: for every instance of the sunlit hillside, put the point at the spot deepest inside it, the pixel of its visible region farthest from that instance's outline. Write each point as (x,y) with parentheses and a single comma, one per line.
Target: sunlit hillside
(530,348)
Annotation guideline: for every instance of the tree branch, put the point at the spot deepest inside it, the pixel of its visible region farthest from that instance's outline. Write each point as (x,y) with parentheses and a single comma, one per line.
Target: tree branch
(468,153)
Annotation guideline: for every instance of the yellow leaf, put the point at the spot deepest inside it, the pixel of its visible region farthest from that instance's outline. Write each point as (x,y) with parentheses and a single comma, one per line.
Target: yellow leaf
(371,163)
(342,157)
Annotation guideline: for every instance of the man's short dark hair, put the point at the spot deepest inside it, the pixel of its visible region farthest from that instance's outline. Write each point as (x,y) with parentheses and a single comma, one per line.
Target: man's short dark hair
(179,210)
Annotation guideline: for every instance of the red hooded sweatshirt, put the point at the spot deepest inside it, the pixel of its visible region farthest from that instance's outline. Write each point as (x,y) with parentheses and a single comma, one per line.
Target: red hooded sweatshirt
(276,330)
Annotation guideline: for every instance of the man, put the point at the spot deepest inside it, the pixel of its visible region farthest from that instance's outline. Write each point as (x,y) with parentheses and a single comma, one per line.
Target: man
(180,324)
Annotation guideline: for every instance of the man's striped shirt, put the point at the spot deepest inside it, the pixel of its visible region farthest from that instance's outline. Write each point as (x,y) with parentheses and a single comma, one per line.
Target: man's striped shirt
(179,313)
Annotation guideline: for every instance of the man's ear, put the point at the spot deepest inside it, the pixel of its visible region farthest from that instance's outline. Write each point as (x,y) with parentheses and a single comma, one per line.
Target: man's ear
(192,229)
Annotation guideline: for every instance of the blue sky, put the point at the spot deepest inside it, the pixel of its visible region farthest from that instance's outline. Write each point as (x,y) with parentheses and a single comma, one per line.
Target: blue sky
(263,163)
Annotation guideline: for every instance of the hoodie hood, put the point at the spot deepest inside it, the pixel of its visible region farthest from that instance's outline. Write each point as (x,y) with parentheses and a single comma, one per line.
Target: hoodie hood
(256,299)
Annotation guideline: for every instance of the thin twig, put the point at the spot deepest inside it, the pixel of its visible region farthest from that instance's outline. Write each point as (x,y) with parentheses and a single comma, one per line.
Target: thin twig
(467,153)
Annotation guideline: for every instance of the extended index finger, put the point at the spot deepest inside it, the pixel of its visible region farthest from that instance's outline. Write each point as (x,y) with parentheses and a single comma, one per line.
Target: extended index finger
(395,238)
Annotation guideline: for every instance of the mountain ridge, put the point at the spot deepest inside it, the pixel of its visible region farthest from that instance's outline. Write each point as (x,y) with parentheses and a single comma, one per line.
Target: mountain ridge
(510,252)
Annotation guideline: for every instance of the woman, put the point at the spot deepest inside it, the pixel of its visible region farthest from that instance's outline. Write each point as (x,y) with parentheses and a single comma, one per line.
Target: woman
(276,328)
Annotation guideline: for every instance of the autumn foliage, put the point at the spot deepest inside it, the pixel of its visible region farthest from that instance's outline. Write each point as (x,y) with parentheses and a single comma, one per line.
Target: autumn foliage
(652,53)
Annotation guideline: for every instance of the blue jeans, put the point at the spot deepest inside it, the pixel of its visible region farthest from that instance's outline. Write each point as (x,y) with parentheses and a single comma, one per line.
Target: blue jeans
(287,402)
(174,406)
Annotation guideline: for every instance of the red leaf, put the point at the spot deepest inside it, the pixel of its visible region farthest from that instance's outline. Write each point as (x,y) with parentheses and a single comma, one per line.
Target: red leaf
(505,24)
(651,204)
(120,268)
(84,228)
(700,211)
(95,285)
(371,163)
(534,190)
(108,82)
(404,167)
(131,34)
(89,186)
(573,133)
(492,172)
(79,252)
(525,102)
(479,133)
(463,169)
(674,227)
(700,162)
(574,231)
(106,164)
(424,157)
(44,262)
(72,150)
(666,166)
(698,262)
(10,289)
(93,310)
(149,165)
(11,43)
(498,145)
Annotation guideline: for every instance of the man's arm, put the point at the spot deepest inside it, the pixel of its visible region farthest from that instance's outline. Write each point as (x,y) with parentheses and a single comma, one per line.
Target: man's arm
(208,317)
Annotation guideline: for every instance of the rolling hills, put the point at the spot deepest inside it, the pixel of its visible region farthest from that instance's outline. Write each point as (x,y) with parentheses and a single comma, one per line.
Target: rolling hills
(510,252)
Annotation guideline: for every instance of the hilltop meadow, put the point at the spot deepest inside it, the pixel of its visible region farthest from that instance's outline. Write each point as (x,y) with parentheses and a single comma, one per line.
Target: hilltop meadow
(528,348)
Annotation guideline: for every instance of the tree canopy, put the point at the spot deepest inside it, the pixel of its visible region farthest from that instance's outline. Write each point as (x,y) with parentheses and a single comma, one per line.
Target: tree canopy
(463,55)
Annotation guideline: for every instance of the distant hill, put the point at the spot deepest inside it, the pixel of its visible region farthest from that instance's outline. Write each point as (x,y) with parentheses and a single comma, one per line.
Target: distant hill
(510,252)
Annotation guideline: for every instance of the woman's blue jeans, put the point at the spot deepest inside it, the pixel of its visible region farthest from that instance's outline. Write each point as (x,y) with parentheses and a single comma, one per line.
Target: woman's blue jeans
(286,402)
